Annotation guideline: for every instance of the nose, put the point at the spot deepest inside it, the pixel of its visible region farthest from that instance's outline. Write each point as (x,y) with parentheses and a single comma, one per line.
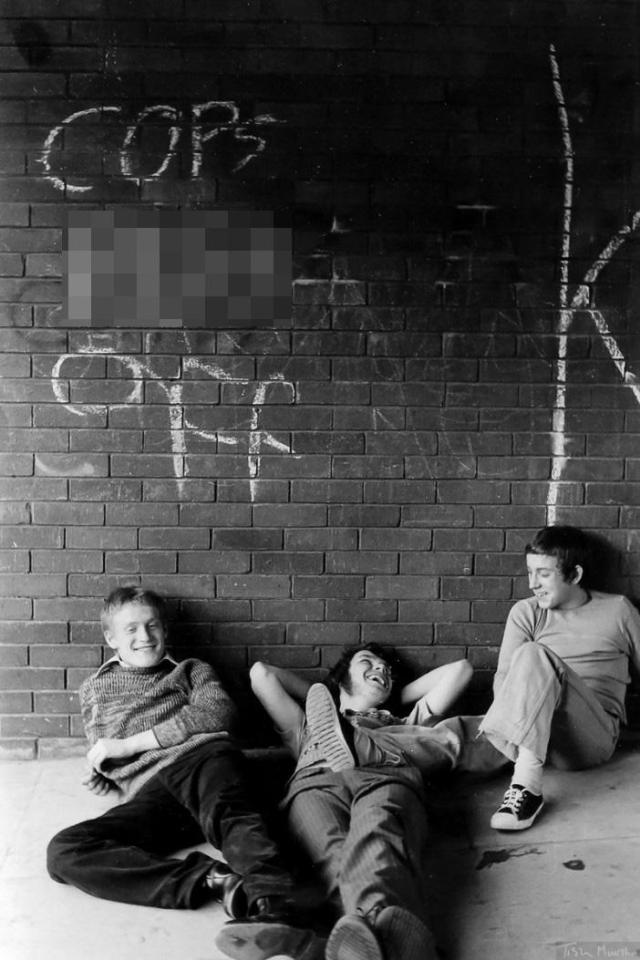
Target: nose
(533,581)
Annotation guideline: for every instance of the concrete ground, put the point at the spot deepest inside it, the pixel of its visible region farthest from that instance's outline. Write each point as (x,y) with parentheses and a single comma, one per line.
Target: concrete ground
(566,888)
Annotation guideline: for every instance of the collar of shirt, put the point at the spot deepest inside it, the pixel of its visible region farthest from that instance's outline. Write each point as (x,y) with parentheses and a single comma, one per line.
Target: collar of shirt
(115,660)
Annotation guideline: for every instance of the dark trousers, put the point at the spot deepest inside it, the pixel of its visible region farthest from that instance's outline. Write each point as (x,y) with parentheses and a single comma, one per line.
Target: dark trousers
(124,854)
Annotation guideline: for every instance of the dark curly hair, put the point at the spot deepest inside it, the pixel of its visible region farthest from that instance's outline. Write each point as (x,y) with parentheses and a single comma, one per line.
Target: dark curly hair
(338,675)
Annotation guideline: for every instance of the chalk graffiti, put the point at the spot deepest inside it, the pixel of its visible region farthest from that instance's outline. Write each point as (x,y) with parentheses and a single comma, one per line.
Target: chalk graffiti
(578,302)
(179,425)
(206,123)
(247,136)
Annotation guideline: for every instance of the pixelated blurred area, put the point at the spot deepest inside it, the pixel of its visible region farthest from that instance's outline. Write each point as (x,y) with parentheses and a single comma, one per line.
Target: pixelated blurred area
(165,268)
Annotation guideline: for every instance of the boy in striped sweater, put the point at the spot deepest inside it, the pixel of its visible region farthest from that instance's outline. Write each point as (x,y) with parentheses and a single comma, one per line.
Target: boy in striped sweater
(159,735)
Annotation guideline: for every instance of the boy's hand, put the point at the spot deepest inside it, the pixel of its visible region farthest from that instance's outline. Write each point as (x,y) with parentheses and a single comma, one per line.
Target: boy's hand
(96,783)
(108,748)
(112,748)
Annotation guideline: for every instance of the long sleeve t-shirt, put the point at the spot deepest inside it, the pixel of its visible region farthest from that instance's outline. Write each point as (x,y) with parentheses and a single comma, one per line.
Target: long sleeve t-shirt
(598,640)
(183,703)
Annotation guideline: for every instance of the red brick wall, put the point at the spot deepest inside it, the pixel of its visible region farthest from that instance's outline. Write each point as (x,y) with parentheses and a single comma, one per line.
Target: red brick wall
(462,183)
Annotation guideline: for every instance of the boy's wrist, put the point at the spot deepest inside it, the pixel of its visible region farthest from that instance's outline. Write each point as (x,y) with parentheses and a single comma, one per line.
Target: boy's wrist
(145,740)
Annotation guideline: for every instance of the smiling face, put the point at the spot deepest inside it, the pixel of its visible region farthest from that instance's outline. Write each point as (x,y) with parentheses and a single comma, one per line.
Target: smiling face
(137,633)
(549,585)
(369,682)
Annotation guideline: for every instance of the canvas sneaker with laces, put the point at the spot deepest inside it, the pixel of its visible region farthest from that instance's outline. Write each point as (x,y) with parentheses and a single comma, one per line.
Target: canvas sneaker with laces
(325,729)
(518,810)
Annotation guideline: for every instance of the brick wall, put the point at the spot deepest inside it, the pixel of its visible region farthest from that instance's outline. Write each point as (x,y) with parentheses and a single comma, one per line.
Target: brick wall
(460,366)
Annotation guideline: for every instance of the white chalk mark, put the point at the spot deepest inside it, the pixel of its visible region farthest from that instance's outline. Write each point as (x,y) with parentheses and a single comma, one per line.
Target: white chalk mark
(259,438)
(50,140)
(59,393)
(558,427)
(241,133)
(179,424)
(258,142)
(337,226)
(579,302)
(174,136)
(255,439)
(212,369)
(380,418)
(197,137)
(178,442)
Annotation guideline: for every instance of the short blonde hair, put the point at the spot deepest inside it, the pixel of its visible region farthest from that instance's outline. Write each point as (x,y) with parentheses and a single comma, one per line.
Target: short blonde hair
(133,594)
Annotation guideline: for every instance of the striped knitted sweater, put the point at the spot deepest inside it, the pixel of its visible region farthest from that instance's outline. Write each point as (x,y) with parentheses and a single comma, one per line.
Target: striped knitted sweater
(183,703)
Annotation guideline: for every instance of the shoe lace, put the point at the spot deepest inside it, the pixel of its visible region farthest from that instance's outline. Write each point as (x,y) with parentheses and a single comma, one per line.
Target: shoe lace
(513,798)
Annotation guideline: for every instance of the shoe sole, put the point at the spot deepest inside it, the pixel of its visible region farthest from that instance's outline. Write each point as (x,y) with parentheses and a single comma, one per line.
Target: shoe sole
(353,939)
(324,729)
(255,940)
(404,936)
(510,823)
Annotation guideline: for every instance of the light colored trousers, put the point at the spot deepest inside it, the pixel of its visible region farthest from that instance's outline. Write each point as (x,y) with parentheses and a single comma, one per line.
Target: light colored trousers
(544,706)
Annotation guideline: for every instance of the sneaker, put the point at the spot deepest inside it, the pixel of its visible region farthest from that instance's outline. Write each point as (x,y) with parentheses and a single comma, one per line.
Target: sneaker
(323,723)
(353,939)
(403,935)
(518,810)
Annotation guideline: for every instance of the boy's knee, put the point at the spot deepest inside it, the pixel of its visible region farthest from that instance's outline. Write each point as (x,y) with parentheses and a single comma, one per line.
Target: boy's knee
(531,656)
(463,671)
(63,849)
(58,850)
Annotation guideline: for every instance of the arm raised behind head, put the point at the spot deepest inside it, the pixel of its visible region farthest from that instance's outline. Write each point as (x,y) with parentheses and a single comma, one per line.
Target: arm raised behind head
(441,686)
(281,692)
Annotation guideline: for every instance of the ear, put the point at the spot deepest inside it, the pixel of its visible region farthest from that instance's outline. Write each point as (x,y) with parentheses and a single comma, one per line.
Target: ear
(578,573)
(108,638)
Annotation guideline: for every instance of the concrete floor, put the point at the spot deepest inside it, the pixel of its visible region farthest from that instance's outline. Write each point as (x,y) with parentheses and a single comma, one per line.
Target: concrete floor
(566,888)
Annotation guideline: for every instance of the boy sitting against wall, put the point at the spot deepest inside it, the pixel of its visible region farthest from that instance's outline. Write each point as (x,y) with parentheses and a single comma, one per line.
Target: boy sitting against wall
(563,670)
(159,737)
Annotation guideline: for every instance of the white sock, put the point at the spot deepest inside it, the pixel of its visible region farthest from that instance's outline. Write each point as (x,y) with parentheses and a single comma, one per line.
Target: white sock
(527,771)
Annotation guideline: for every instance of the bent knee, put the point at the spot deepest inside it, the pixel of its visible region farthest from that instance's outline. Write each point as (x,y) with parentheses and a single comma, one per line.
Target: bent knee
(532,653)
(63,849)
(57,852)
(463,671)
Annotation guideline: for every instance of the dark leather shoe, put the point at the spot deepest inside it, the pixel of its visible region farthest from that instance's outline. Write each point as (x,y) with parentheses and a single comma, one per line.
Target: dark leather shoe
(274,908)
(226,887)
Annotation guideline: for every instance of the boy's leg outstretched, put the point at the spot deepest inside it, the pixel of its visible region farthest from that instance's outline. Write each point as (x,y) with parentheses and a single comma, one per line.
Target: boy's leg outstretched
(365,831)
(124,854)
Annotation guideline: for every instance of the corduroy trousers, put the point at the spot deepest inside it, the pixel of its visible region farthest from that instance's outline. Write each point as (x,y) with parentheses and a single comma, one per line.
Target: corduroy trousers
(365,831)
